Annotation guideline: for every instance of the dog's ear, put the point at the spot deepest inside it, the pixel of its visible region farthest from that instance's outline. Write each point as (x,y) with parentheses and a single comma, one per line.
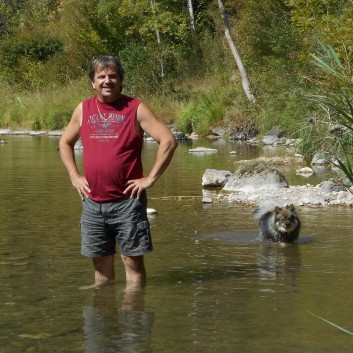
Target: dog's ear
(291,207)
(278,209)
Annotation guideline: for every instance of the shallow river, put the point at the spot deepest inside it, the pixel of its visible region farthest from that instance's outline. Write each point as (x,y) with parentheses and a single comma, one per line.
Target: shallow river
(211,287)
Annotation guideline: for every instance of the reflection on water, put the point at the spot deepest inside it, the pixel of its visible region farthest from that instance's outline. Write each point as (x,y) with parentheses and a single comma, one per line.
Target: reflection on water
(108,328)
(279,261)
(211,286)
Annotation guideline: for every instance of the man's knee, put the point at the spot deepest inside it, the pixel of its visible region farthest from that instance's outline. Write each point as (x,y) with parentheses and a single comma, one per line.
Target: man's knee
(134,263)
(103,263)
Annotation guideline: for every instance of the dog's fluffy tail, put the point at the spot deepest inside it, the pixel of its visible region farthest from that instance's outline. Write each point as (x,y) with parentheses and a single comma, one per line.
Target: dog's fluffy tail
(263,208)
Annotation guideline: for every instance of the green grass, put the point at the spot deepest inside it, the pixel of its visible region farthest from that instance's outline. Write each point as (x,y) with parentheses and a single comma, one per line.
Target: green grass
(332,324)
(41,110)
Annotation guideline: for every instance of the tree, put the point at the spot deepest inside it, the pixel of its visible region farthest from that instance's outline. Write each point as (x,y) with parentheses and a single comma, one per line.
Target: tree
(158,37)
(192,17)
(236,55)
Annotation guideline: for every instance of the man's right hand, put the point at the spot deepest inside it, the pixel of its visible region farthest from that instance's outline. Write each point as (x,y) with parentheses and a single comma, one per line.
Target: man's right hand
(80,183)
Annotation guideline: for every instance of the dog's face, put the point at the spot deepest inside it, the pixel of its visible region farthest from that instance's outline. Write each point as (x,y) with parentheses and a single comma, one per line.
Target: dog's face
(286,219)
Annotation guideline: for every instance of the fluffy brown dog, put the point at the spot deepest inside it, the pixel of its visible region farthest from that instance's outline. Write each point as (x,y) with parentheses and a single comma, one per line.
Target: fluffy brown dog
(278,224)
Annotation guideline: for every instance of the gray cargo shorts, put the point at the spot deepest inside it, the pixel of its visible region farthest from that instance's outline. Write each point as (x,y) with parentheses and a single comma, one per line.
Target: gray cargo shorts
(123,222)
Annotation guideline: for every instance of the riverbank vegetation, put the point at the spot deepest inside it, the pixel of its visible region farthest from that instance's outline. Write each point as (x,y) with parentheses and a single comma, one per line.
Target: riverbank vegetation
(177,58)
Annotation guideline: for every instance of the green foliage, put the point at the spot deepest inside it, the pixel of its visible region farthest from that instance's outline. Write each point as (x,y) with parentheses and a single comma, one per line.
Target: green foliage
(330,21)
(338,104)
(141,69)
(189,76)
(41,110)
(84,33)
(22,60)
(6,14)
(36,126)
(36,49)
(56,120)
(266,30)
(335,69)
(15,116)
(314,137)
(199,115)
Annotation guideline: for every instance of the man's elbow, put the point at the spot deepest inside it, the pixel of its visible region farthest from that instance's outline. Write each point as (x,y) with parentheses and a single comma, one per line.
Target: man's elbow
(168,146)
(173,144)
(64,144)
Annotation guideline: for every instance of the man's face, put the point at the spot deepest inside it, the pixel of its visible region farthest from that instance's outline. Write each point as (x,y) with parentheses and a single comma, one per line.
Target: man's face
(107,84)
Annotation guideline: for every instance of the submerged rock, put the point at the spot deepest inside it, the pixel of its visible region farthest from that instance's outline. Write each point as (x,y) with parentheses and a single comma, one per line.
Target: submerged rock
(321,158)
(180,136)
(330,186)
(193,136)
(203,150)
(219,131)
(297,159)
(306,171)
(275,137)
(78,145)
(206,200)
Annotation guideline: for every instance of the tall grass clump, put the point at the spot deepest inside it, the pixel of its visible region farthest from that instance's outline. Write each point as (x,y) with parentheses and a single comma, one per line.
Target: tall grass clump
(42,110)
(336,100)
(198,116)
(12,107)
(282,99)
(207,106)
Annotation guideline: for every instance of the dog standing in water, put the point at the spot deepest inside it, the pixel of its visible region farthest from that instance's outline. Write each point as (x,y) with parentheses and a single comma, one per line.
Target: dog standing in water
(277,224)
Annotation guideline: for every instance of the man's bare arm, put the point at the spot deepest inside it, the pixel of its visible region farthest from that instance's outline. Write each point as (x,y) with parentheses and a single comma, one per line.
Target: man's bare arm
(66,146)
(150,124)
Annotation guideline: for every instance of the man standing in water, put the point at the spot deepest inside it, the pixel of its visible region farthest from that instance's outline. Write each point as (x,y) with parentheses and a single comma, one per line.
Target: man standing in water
(111,126)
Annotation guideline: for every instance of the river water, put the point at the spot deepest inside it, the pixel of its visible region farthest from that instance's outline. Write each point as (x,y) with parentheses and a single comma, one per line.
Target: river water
(211,286)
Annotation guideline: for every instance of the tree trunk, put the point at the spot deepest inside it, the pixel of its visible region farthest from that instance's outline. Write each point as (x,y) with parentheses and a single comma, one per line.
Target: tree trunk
(242,71)
(192,17)
(158,40)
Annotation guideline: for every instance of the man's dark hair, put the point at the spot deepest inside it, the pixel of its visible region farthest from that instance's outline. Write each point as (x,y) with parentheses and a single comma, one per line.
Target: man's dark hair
(104,62)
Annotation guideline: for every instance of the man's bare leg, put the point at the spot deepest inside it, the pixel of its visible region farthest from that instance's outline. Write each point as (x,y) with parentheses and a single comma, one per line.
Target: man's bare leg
(135,272)
(104,272)
(104,269)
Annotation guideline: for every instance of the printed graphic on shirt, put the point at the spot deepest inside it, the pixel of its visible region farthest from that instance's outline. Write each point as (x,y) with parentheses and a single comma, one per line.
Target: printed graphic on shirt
(104,126)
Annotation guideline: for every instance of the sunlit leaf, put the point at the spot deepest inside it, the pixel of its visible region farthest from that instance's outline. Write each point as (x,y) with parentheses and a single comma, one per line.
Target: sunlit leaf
(335,57)
(347,169)
(323,65)
(332,324)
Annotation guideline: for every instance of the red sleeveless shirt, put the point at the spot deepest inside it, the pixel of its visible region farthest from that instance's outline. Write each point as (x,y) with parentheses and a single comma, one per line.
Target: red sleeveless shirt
(111,146)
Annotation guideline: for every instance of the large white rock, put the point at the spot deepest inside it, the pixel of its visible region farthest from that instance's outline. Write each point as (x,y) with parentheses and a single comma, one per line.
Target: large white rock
(213,177)
(256,177)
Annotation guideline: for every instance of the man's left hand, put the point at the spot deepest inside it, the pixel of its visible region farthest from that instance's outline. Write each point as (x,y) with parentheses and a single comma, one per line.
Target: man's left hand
(137,186)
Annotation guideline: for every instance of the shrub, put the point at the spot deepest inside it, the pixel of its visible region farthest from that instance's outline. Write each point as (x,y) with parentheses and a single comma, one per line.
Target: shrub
(36,125)
(199,116)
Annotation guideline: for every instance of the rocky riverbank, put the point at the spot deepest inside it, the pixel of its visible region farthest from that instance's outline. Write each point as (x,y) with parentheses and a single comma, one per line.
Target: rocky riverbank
(14,132)
(308,195)
(258,182)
